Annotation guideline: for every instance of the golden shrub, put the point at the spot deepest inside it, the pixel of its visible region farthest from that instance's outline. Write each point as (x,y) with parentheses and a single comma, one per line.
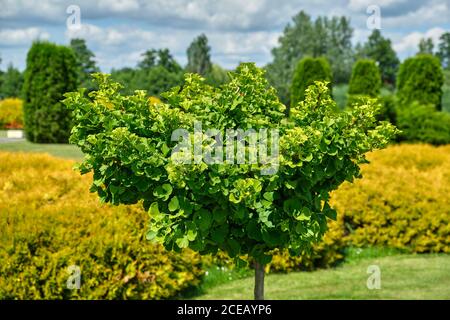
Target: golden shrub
(11,114)
(402,201)
(49,221)
(154,100)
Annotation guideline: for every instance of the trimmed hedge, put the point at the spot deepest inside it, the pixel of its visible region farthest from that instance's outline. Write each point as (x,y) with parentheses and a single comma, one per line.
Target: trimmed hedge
(420,79)
(11,115)
(51,71)
(308,71)
(365,79)
(49,221)
(401,202)
(423,123)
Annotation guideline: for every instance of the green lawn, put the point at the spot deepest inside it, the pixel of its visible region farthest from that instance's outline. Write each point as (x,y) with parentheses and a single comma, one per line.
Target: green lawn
(57,150)
(402,277)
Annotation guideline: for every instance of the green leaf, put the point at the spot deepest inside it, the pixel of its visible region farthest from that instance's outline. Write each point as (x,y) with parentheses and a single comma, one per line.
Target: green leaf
(271,238)
(165,149)
(191,235)
(253,230)
(240,263)
(203,219)
(220,215)
(173,204)
(154,210)
(182,242)
(305,215)
(163,191)
(268,196)
(331,213)
(116,189)
(234,247)
(151,235)
(292,205)
(219,235)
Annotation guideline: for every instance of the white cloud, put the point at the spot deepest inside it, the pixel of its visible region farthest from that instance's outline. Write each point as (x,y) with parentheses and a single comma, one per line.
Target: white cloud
(120,6)
(409,44)
(238,30)
(433,14)
(19,37)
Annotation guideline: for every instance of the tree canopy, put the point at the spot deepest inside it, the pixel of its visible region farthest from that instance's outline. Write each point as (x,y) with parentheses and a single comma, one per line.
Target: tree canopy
(380,50)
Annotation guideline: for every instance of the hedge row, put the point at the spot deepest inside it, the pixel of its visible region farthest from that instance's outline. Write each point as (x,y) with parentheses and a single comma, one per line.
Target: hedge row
(51,71)
(49,222)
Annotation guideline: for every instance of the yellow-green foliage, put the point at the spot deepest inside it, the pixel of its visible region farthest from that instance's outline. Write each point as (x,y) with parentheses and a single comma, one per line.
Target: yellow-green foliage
(402,201)
(11,115)
(49,221)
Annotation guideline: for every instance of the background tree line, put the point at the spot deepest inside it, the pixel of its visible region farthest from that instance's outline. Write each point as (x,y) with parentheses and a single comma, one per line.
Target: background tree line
(303,36)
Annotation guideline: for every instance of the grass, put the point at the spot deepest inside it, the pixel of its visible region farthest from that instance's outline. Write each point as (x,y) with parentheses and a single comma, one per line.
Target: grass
(2,133)
(58,150)
(405,276)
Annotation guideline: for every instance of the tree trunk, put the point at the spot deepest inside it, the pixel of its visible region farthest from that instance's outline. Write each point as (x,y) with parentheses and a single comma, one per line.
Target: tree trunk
(259,281)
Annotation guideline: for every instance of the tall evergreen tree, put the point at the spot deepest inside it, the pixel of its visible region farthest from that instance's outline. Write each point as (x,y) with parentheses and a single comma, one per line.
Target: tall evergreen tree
(380,49)
(339,48)
(157,72)
(426,46)
(51,71)
(444,50)
(303,37)
(420,79)
(162,58)
(1,76)
(11,84)
(199,56)
(307,71)
(85,62)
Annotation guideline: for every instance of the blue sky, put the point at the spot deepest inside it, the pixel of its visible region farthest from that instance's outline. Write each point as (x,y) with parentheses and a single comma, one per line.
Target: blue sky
(120,31)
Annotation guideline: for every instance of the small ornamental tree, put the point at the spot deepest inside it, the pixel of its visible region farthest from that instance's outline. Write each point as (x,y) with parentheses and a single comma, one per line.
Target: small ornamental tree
(51,71)
(308,71)
(247,209)
(420,79)
(365,81)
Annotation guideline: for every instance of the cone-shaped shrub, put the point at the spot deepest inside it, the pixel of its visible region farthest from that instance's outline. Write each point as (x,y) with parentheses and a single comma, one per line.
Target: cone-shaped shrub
(420,79)
(364,82)
(308,71)
(51,71)
(365,79)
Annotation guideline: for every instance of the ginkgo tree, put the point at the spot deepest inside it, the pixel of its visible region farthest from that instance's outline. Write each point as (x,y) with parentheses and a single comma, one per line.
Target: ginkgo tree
(238,208)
